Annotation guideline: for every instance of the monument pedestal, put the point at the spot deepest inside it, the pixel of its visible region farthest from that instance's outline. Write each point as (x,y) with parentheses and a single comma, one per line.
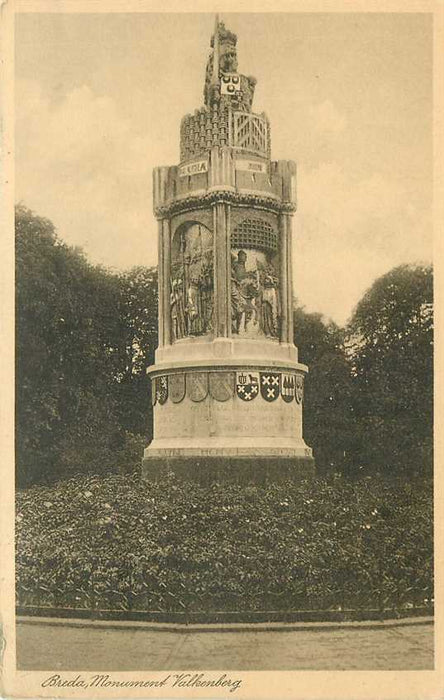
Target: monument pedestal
(224,469)
(223,413)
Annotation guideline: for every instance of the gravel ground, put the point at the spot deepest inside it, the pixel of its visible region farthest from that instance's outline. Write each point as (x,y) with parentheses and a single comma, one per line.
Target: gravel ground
(46,647)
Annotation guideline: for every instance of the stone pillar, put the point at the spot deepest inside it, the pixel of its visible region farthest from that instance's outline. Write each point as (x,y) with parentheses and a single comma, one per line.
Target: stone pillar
(160,281)
(228,266)
(289,237)
(283,278)
(286,278)
(164,273)
(222,270)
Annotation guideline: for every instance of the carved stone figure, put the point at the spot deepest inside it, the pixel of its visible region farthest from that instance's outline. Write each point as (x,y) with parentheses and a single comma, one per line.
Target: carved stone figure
(244,291)
(269,302)
(227,63)
(178,325)
(192,308)
(254,296)
(227,49)
(191,298)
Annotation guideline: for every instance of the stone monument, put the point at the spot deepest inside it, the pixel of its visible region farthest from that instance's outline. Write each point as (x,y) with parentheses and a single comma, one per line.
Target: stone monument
(227,387)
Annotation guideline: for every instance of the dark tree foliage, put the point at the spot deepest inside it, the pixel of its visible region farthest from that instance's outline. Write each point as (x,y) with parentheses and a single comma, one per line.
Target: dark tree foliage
(390,338)
(84,337)
(328,412)
(138,311)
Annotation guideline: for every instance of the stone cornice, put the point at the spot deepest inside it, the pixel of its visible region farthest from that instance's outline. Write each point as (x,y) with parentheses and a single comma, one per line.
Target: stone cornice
(224,196)
(225,365)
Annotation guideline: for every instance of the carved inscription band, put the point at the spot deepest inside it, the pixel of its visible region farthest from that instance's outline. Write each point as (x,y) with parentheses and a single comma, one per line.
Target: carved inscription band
(222,386)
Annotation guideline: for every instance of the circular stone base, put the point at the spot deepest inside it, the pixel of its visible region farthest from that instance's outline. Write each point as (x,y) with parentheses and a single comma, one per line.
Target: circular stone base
(234,469)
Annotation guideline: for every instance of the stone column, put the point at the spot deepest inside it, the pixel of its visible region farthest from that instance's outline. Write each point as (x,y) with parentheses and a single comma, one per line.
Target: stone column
(286,278)
(288,218)
(222,270)
(228,268)
(283,277)
(160,281)
(164,273)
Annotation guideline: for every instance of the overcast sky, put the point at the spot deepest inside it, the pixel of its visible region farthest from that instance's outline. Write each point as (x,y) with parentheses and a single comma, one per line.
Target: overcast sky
(99,99)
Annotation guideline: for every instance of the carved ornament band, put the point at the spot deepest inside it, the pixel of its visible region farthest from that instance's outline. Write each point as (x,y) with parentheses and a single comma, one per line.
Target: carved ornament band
(224,197)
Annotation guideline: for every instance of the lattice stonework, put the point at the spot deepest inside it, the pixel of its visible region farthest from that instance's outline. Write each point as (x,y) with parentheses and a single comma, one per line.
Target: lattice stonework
(250,132)
(254,233)
(202,130)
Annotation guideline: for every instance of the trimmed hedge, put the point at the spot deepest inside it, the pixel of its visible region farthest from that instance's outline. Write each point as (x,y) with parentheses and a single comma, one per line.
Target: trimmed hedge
(118,543)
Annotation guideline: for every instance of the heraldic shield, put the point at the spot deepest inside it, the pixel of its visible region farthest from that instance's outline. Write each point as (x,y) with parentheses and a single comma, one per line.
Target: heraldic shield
(176,387)
(287,387)
(230,83)
(299,388)
(161,389)
(222,385)
(247,385)
(270,385)
(197,385)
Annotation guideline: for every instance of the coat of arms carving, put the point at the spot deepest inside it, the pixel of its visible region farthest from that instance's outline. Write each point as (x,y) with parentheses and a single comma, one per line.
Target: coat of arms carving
(162,389)
(153,392)
(221,385)
(197,385)
(299,388)
(270,385)
(177,387)
(247,385)
(287,387)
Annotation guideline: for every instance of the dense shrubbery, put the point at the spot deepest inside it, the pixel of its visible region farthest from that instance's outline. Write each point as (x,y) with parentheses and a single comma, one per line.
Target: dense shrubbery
(114,543)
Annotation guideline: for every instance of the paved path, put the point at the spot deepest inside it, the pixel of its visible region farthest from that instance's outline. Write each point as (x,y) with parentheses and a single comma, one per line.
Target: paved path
(42,646)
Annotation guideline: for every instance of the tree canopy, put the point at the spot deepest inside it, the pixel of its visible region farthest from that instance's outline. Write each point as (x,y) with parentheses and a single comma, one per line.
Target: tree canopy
(390,346)
(84,337)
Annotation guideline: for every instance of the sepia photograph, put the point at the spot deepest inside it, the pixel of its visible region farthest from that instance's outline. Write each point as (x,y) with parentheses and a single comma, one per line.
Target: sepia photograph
(224,348)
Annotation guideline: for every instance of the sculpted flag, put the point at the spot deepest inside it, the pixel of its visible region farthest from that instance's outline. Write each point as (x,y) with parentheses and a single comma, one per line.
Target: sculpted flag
(299,389)
(177,387)
(247,385)
(162,389)
(197,385)
(222,385)
(270,385)
(287,388)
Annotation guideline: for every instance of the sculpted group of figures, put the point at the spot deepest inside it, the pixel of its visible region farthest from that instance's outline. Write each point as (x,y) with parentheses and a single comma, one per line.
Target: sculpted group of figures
(254,299)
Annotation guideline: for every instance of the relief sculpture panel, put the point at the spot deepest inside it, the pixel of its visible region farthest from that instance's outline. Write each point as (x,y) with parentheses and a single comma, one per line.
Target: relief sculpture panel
(254,295)
(255,303)
(191,281)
